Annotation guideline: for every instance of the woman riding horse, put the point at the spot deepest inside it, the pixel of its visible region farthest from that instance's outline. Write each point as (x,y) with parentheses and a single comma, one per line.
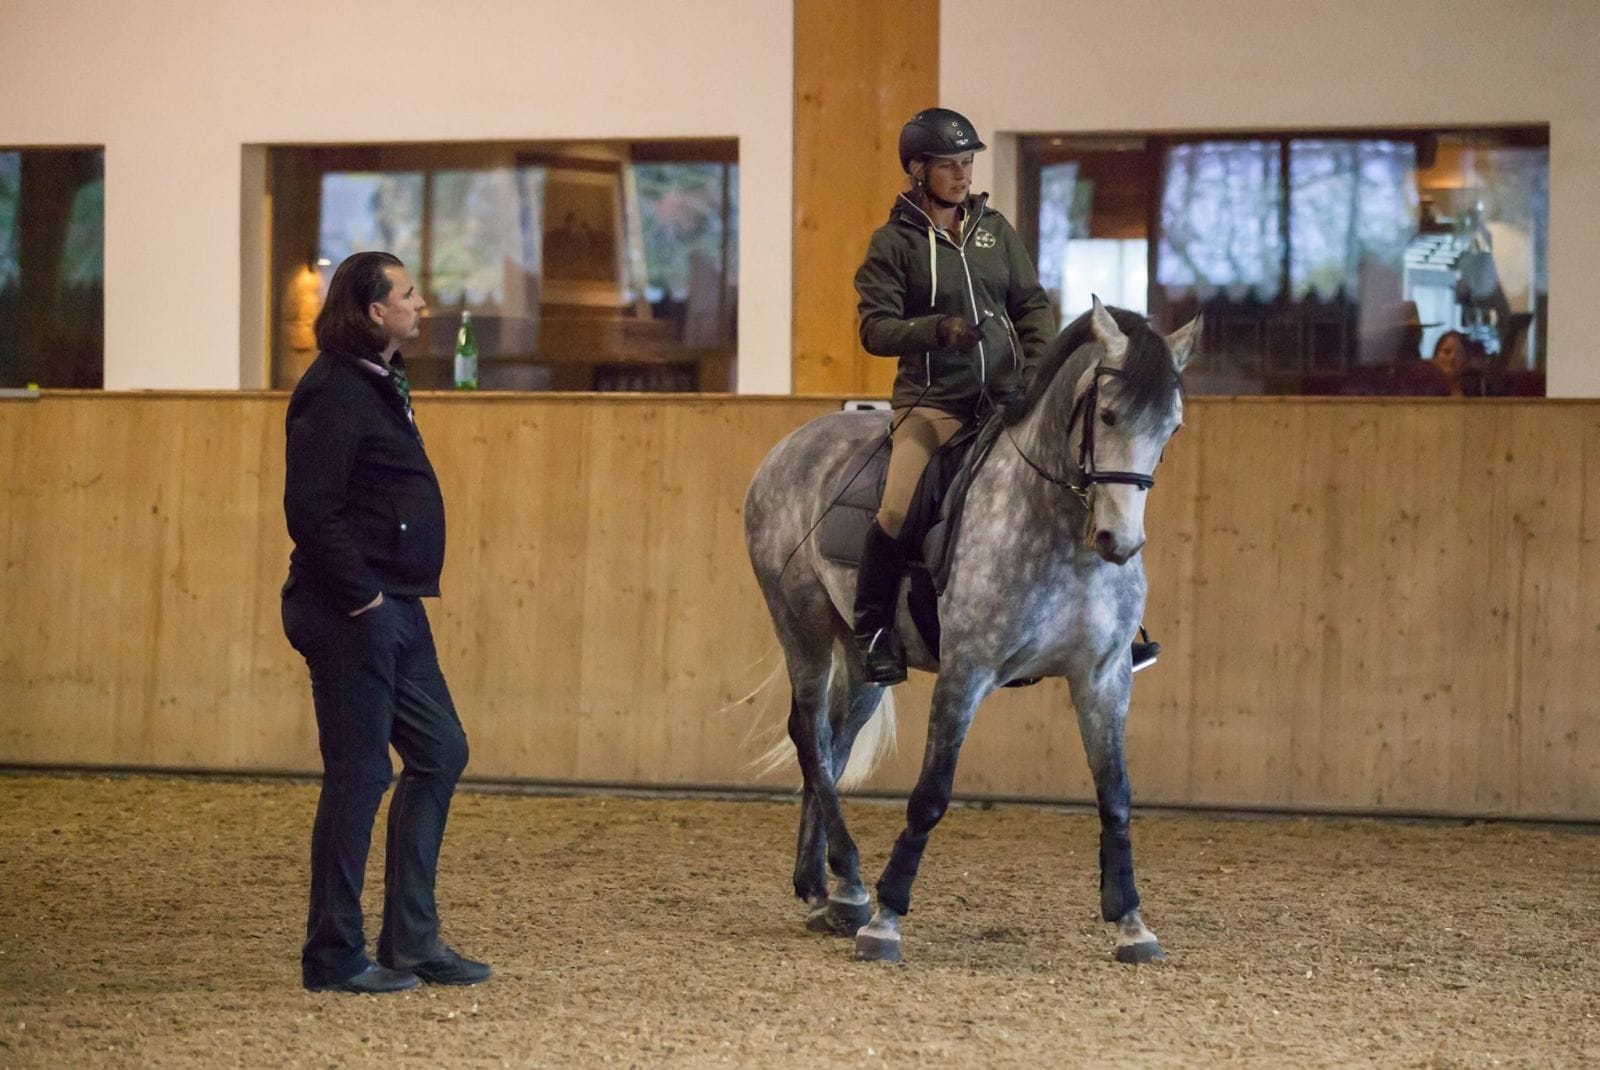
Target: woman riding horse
(948,289)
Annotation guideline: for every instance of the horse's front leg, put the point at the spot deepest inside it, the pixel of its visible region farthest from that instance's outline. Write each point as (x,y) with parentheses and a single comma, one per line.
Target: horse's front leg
(955,701)
(1101,699)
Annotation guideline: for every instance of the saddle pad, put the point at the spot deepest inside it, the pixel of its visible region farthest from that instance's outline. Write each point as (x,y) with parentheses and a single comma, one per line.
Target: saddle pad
(855,501)
(935,508)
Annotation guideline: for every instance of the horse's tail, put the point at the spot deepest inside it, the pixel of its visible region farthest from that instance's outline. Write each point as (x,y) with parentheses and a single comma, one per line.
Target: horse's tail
(875,742)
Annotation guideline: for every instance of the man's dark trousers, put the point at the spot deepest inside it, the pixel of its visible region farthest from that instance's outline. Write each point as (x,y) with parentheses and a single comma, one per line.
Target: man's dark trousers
(375,680)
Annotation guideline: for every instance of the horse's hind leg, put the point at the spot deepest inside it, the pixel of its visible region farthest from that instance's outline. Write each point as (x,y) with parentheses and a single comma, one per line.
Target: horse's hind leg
(812,732)
(1102,704)
(811,850)
(851,705)
(811,854)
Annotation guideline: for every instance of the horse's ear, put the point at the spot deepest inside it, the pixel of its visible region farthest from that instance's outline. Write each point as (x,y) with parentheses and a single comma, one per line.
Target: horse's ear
(1106,329)
(1185,341)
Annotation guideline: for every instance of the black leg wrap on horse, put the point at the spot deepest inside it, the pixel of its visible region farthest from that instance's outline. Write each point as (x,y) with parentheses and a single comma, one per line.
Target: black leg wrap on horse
(894,887)
(1117,893)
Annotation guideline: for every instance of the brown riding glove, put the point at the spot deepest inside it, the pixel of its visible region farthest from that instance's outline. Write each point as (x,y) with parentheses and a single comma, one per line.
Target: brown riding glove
(954,332)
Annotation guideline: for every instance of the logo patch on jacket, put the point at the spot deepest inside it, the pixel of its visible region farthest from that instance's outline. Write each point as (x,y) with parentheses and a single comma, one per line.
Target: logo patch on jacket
(983,240)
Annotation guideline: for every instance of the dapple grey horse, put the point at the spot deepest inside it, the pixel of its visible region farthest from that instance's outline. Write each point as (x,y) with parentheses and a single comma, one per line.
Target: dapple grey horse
(1047,580)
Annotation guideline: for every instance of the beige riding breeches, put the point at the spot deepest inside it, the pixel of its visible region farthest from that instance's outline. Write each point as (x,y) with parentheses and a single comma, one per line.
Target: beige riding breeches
(918,433)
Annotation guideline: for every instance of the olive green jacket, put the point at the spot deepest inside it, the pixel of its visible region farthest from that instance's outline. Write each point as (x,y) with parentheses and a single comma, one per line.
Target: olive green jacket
(914,274)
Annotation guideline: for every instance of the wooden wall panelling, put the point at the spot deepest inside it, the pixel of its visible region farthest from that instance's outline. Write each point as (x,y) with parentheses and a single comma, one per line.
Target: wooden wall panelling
(1161,731)
(1556,607)
(861,68)
(1365,605)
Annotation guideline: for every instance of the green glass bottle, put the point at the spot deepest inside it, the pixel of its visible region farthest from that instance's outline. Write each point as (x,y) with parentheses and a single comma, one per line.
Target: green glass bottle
(466,355)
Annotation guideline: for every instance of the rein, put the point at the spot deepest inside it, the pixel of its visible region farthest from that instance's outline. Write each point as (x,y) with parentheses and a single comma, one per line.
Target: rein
(1085,477)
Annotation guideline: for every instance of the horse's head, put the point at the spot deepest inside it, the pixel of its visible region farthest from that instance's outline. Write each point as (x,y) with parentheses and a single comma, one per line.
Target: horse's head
(1127,403)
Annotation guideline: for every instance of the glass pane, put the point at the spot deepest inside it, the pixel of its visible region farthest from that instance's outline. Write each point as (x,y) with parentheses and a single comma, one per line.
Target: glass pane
(680,206)
(731,268)
(10,183)
(1323,263)
(83,253)
(582,270)
(1220,228)
(1063,215)
(52,307)
(1352,206)
(363,210)
(485,250)
(1114,269)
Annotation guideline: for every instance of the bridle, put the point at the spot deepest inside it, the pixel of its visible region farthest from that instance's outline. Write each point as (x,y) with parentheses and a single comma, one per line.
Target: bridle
(1085,476)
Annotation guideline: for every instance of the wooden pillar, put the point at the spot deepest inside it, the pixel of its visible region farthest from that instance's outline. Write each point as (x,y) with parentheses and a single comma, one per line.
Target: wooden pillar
(861,68)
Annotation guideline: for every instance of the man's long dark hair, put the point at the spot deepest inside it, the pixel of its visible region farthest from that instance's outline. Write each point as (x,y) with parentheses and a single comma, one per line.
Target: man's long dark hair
(343,325)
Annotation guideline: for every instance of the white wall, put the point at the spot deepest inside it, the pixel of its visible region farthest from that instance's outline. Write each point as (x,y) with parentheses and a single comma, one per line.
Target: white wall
(174,88)
(1022,66)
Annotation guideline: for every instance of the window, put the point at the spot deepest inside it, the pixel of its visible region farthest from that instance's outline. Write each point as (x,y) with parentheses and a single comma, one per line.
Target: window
(1325,262)
(600,266)
(52,267)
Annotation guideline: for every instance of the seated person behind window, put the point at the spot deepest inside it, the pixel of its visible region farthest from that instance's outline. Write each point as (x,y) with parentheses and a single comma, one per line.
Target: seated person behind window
(1460,361)
(1413,376)
(1399,371)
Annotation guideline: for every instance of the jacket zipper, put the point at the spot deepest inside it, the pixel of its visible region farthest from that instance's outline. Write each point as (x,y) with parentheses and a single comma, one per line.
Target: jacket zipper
(972,294)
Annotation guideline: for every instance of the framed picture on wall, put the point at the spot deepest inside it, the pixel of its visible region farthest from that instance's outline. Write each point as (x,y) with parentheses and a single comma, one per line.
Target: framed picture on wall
(582,237)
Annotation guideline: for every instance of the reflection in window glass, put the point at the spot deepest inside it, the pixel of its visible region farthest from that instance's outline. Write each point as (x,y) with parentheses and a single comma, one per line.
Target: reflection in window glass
(1114,269)
(680,209)
(1063,216)
(731,268)
(52,267)
(83,254)
(1324,263)
(1350,203)
(586,266)
(1493,228)
(485,253)
(10,187)
(1220,227)
(1074,268)
(363,210)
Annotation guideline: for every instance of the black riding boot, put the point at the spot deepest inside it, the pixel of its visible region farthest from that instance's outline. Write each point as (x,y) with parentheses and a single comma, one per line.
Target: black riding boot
(1145,650)
(877,595)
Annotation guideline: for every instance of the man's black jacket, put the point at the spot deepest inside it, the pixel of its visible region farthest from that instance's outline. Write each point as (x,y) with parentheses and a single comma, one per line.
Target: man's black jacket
(363,504)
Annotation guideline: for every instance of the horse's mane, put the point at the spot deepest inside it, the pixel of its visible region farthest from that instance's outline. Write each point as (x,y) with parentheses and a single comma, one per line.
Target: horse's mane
(1149,379)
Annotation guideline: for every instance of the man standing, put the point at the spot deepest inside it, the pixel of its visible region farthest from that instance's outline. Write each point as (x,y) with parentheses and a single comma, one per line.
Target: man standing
(367,520)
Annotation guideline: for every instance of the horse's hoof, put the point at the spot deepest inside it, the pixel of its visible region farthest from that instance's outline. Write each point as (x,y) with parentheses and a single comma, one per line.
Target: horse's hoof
(1143,951)
(873,948)
(839,918)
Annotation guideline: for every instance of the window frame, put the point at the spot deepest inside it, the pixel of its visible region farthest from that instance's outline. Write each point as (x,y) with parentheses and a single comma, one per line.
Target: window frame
(1036,151)
(295,173)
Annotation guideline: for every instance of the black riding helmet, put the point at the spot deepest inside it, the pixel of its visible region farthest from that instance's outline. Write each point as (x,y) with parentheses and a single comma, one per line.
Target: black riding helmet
(937,132)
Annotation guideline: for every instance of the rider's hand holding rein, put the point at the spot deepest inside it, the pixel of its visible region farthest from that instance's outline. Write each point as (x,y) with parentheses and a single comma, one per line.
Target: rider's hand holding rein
(956,332)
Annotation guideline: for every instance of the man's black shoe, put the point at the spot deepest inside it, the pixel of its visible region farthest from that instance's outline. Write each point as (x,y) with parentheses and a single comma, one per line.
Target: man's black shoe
(451,969)
(375,980)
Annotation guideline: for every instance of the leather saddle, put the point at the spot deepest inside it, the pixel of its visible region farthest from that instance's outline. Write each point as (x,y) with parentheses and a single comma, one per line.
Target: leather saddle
(931,523)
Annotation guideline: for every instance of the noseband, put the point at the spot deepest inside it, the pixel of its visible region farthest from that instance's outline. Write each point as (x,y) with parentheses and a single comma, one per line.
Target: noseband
(1085,475)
